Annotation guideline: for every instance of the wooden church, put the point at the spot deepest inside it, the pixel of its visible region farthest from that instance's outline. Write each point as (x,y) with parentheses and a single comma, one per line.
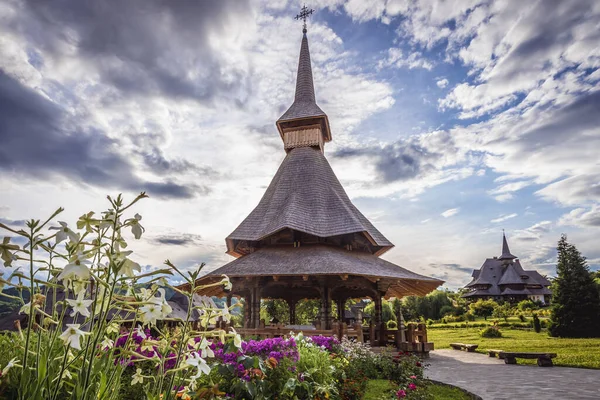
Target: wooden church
(305,239)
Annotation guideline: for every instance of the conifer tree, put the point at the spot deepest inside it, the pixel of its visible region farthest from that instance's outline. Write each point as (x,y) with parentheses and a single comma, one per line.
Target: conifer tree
(576,301)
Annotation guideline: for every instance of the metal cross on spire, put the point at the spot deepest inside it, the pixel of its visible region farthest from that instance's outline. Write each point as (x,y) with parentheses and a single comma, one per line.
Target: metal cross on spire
(304,14)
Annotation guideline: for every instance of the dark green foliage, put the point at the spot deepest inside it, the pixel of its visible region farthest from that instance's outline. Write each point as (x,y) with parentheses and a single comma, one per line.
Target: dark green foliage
(576,301)
(537,326)
(483,308)
(433,306)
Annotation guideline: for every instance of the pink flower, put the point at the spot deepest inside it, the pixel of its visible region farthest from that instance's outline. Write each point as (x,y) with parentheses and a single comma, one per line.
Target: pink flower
(418,364)
(412,386)
(413,377)
(400,393)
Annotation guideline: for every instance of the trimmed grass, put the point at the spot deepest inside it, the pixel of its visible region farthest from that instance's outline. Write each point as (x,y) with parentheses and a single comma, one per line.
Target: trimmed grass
(378,389)
(580,353)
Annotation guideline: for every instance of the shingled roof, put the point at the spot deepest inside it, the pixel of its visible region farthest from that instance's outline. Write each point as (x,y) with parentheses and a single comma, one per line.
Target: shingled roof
(305,195)
(322,260)
(504,276)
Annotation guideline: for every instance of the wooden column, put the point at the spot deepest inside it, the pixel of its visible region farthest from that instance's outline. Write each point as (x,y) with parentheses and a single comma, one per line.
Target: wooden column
(341,303)
(401,326)
(247,311)
(325,307)
(378,319)
(292,308)
(256,307)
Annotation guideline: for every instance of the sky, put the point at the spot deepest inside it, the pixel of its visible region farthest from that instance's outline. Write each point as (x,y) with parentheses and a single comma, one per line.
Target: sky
(451,120)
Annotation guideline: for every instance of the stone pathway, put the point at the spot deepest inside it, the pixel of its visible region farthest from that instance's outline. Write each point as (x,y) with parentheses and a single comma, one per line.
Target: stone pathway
(491,379)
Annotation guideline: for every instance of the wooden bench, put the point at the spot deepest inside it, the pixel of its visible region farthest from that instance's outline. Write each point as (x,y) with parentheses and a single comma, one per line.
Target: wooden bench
(494,353)
(464,346)
(543,359)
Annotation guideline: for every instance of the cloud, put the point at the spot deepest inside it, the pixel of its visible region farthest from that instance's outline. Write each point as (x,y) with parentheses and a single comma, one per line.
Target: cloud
(40,139)
(442,83)
(582,217)
(148,48)
(177,239)
(450,212)
(533,233)
(503,217)
(395,58)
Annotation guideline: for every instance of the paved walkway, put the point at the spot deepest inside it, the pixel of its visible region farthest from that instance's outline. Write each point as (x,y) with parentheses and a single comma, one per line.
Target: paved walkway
(491,379)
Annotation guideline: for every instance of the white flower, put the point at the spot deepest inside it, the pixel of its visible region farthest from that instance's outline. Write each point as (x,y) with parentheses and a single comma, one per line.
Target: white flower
(12,363)
(129,267)
(140,332)
(136,228)
(150,313)
(80,305)
(237,339)
(112,328)
(75,269)
(64,231)
(206,350)
(25,309)
(137,377)
(196,361)
(5,254)
(72,335)
(107,343)
(225,314)
(226,283)
(145,294)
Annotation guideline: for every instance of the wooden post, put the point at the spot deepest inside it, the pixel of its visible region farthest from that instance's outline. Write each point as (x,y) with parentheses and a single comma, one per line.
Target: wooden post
(379,327)
(401,327)
(325,307)
(247,312)
(292,308)
(340,306)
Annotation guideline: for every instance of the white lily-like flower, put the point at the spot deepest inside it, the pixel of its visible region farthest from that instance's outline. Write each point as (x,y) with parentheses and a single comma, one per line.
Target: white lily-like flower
(107,343)
(72,335)
(76,270)
(237,339)
(205,349)
(195,360)
(5,251)
(65,232)
(112,328)
(226,283)
(129,268)
(11,364)
(136,228)
(145,294)
(150,313)
(140,332)
(80,305)
(137,377)
(225,314)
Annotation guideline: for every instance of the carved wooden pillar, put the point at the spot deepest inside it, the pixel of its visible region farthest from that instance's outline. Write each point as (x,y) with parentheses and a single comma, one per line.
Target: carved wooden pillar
(378,318)
(292,307)
(248,311)
(341,303)
(256,307)
(325,307)
(401,326)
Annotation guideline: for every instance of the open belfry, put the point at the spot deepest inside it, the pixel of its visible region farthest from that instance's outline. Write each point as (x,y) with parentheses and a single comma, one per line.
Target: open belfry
(305,239)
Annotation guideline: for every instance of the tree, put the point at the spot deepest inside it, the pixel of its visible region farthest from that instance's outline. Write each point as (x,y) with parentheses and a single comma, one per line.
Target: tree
(575,301)
(537,326)
(503,311)
(483,308)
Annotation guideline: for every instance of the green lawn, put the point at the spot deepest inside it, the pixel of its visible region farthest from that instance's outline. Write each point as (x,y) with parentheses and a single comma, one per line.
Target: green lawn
(583,353)
(378,389)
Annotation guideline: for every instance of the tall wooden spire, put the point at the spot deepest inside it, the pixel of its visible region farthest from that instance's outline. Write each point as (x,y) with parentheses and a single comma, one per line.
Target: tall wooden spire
(506,255)
(304,124)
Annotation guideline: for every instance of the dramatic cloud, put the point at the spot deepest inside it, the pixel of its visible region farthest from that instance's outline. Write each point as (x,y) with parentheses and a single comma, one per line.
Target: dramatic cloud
(40,139)
(582,217)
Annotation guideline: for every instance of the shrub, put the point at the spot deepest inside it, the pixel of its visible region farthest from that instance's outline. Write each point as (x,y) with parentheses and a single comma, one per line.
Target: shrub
(490,332)
(483,308)
(392,324)
(527,305)
(537,326)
